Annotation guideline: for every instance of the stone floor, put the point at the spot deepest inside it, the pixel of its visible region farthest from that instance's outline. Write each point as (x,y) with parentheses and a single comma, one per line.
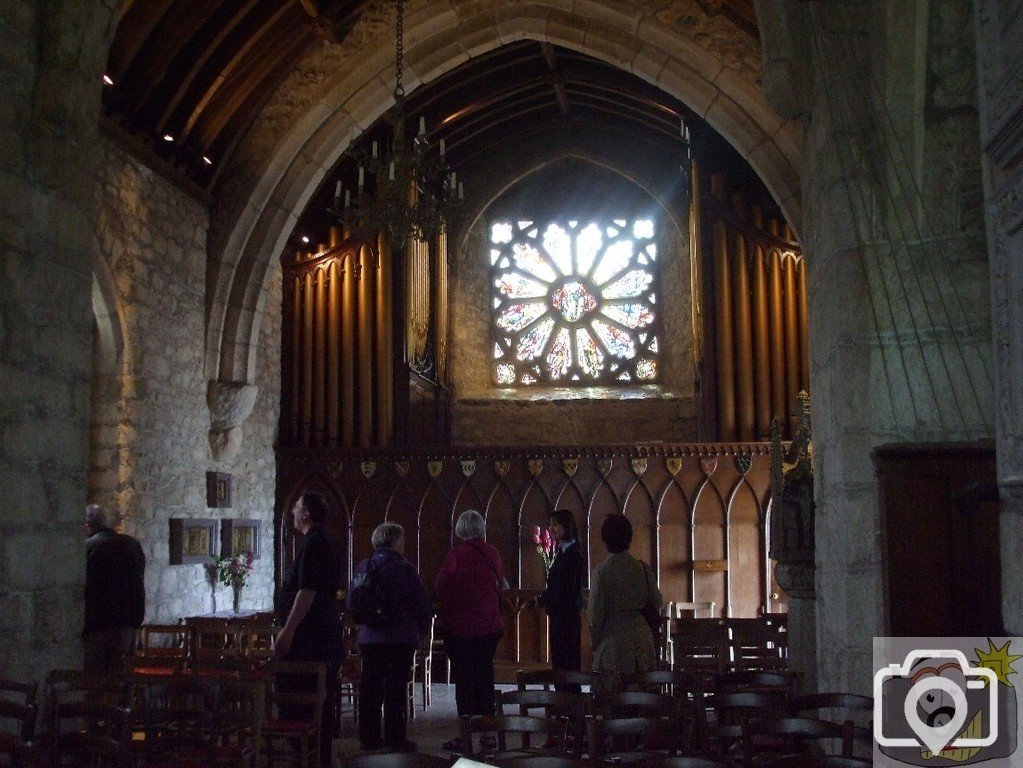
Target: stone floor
(428,729)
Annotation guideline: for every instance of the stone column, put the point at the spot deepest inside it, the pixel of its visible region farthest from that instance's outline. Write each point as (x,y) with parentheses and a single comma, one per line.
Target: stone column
(999,31)
(54,54)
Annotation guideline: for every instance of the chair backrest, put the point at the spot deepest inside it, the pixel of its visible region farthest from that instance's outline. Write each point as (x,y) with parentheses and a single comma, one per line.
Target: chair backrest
(650,735)
(17,691)
(700,644)
(289,686)
(686,762)
(216,642)
(730,710)
(697,610)
(523,726)
(756,680)
(90,734)
(17,753)
(548,678)
(758,643)
(18,719)
(169,640)
(682,684)
(795,733)
(839,708)
(181,714)
(565,711)
(544,761)
(63,686)
(624,704)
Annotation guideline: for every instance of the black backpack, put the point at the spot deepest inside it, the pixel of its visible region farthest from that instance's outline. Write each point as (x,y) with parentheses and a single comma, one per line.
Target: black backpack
(367,600)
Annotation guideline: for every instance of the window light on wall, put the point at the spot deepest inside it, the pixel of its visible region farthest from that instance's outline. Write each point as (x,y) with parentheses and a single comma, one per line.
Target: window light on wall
(574,303)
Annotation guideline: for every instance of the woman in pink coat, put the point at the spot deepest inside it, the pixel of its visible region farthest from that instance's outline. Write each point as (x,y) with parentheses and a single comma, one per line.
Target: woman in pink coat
(469,586)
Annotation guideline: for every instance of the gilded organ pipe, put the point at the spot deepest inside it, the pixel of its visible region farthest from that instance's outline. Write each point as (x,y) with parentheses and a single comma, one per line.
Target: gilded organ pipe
(743,341)
(307,358)
(726,368)
(385,389)
(791,334)
(761,337)
(320,359)
(349,298)
(366,279)
(334,311)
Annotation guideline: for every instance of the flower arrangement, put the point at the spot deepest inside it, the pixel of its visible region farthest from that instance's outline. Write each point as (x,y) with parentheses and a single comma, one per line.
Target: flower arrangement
(545,545)
(234,571)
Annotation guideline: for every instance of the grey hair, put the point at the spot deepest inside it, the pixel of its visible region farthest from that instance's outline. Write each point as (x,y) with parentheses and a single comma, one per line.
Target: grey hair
(387,535)
(470,525)
(95,516)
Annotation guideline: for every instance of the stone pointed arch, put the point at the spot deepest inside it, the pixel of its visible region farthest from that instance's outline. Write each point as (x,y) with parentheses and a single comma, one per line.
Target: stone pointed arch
(334,89)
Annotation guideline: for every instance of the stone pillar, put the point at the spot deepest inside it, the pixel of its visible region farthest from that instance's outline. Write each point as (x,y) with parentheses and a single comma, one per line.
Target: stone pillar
(54,54)
(999,31)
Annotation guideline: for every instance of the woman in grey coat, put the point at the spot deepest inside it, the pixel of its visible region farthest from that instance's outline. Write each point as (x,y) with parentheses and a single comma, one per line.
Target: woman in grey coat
(622,586)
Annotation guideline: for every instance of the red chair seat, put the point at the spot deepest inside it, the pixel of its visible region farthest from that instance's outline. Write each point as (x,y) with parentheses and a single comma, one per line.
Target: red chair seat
(273,725)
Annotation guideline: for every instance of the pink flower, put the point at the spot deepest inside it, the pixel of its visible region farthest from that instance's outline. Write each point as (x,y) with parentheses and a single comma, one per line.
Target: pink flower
(537,539)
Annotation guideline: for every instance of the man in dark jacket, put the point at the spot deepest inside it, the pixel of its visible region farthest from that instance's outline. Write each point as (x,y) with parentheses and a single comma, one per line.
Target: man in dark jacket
(115,594)
(387,649)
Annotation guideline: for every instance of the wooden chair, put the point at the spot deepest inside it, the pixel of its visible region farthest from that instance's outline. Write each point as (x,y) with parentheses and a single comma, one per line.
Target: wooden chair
(728,712)
(631,739)
(547,679)
(422,667)
(542,761)
(295,716)
(348,678)
(17,753)
(259,638)
(566,711)
(764,739)
(841,708)
(396,760)
(686,762)
(757,644)
(18,692)
(181,721)
(700,645)
(217,644)
(18,720)
(686,688)
(89,734)
(167,642)
(757,681)
(524,728)
(64,686)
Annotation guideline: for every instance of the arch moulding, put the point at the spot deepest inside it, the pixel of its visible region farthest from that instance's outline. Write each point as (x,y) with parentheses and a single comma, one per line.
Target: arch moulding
(252,227)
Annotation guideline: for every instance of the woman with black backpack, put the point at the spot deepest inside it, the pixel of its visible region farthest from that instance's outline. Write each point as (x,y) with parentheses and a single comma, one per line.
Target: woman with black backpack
(388,596)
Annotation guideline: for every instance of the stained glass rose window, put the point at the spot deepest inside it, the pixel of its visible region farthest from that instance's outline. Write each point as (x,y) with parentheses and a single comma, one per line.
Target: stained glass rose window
(574,303)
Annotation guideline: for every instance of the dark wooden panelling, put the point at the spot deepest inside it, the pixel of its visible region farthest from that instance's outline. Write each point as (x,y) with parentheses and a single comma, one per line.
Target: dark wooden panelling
(702,528)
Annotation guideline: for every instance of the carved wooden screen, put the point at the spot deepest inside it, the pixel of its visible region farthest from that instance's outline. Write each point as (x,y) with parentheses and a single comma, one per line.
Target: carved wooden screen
(699,512)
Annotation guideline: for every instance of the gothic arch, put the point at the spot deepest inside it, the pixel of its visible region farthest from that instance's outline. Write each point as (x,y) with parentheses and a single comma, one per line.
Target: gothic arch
(245,241)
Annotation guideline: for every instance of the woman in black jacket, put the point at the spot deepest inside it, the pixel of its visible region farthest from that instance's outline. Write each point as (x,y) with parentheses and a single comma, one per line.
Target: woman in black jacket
(563,597)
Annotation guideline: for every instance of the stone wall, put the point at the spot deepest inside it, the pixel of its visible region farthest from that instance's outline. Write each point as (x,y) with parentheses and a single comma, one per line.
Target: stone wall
(152,238)
(49,107)
(900,333)
(483,414)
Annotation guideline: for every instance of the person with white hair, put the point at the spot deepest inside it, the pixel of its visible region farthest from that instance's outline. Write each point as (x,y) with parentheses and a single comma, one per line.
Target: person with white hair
(469,586)
(115,594)
(387,644)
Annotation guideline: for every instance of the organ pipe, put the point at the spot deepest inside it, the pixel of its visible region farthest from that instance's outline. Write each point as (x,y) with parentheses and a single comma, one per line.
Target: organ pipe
(307,358)
(791,333)
(349,296)
(366,278)
(320,359)
(726,369)
(385,388)
(743,341)
(759,316)
(333,393)
(296,345)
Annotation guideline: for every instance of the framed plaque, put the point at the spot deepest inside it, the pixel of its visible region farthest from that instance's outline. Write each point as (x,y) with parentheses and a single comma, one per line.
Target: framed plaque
(218,490)
(192,540)
(238,537)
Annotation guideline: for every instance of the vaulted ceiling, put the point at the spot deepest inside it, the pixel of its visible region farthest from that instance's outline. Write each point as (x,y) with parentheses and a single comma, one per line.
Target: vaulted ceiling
(188,77)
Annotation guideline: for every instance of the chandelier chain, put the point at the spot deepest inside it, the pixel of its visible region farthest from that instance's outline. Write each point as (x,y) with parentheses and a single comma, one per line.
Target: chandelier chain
(399,50)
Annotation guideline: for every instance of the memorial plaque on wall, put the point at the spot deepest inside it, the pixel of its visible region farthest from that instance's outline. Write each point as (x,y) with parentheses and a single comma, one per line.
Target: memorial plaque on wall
(218,490)
(192,540)
(238,537)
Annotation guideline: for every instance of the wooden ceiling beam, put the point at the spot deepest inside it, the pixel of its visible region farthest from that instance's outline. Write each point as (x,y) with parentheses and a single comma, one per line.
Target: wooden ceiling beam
(551,59)
(175,31)
(133,34)
(268,29)
(255,78)
(201,60)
